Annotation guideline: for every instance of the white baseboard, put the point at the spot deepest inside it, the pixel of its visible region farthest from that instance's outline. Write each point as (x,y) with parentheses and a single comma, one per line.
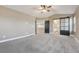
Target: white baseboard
(15,38)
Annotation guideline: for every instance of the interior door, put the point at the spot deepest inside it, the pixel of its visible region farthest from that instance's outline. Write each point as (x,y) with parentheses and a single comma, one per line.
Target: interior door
(47,26)
(65,26)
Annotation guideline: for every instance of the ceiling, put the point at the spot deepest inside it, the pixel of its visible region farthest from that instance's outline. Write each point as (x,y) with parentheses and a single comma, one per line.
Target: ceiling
(32,10)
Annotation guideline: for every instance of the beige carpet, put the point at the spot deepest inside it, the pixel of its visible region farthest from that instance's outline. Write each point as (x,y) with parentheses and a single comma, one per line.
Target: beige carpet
(43,43)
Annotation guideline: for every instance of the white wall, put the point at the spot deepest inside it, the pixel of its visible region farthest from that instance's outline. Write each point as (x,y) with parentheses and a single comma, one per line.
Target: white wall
(14,24)
(77,23)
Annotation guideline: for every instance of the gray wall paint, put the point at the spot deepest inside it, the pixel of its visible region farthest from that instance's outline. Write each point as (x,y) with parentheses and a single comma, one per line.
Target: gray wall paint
(15,24)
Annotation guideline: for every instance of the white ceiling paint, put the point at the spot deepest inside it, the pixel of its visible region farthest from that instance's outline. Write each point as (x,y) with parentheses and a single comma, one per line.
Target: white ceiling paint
(32,10)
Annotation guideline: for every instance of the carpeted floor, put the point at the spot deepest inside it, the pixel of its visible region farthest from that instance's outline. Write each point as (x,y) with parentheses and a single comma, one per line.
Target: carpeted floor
(44,43)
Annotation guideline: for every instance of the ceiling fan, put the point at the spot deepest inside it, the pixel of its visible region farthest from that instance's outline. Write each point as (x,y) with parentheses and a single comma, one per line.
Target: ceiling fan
(45,8)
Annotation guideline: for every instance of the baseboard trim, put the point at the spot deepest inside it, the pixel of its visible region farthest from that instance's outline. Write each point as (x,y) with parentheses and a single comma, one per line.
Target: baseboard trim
(6,40)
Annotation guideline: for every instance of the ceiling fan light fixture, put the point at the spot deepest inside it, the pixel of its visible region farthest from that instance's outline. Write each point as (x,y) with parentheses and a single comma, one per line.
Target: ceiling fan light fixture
(44,10)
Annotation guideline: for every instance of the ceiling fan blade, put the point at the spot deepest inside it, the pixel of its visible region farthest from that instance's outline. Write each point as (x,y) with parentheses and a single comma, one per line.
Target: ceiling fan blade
(43,6)
(49,6)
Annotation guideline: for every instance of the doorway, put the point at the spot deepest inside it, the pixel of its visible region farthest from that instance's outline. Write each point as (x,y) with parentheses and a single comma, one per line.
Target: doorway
(56,27)
(47,26)
(40,26)
(65,26)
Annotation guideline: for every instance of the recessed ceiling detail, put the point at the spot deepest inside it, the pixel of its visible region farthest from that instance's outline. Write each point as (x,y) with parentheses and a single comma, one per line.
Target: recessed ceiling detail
(54,9)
